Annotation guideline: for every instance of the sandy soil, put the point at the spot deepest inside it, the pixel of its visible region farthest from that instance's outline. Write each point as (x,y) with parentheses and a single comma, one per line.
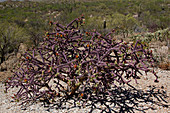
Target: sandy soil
(145,83)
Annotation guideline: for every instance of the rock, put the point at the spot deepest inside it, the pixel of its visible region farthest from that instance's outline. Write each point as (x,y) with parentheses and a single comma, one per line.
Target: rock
(81,48)
(43,89)
(3,67)
(9,64)
(22,48)
(12,59)
(135,16)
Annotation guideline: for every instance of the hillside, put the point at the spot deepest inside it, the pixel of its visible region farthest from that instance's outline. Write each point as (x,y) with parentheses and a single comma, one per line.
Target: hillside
(38,27)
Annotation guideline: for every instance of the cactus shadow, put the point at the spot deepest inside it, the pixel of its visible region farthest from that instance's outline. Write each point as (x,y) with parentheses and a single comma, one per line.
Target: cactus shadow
(121,100)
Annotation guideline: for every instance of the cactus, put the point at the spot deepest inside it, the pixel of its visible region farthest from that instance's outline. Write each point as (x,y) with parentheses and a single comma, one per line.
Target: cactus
(83,64)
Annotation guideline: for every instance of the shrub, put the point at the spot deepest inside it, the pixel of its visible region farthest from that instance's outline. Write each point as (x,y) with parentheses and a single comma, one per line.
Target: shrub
(160,35)
(34,30)
(82,64)
(10,38)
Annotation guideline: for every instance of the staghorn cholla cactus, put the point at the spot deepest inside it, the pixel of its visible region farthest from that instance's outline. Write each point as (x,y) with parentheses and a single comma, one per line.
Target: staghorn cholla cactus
(87,67)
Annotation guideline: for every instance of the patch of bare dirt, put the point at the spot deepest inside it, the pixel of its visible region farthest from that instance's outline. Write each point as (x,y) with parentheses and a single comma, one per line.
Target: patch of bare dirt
(146,82)
(5,75)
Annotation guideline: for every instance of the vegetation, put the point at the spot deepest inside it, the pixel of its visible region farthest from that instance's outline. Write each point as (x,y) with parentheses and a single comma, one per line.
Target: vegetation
(126,16)
(161,35)
(82,59)
(85,64)
(10,38)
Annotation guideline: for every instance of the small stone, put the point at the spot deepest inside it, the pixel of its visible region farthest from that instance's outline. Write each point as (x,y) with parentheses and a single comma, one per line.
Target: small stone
(145,78)
(81,48)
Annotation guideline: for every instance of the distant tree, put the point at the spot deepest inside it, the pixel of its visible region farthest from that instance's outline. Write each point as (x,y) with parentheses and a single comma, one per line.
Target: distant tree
(35,31)
(10,38)
(149,21)
(20,23)
(69,5)
(124,23)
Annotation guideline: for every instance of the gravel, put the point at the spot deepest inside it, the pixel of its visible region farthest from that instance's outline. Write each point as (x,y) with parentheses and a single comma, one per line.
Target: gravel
(7,105)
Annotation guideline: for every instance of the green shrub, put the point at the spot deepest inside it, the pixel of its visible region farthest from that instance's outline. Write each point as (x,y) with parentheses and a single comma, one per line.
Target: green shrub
(10,38)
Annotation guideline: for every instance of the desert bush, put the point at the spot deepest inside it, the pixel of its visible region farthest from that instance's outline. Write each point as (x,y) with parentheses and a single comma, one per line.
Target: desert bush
(125,23)
(10,38)
(35,31)
(160,35)
(66,64)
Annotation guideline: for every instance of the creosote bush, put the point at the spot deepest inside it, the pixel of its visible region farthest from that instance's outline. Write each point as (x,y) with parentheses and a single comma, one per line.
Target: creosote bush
(81,64)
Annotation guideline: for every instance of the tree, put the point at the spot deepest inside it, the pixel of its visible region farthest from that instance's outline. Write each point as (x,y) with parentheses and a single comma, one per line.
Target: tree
(125,23)
(10,37)
(34,30)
